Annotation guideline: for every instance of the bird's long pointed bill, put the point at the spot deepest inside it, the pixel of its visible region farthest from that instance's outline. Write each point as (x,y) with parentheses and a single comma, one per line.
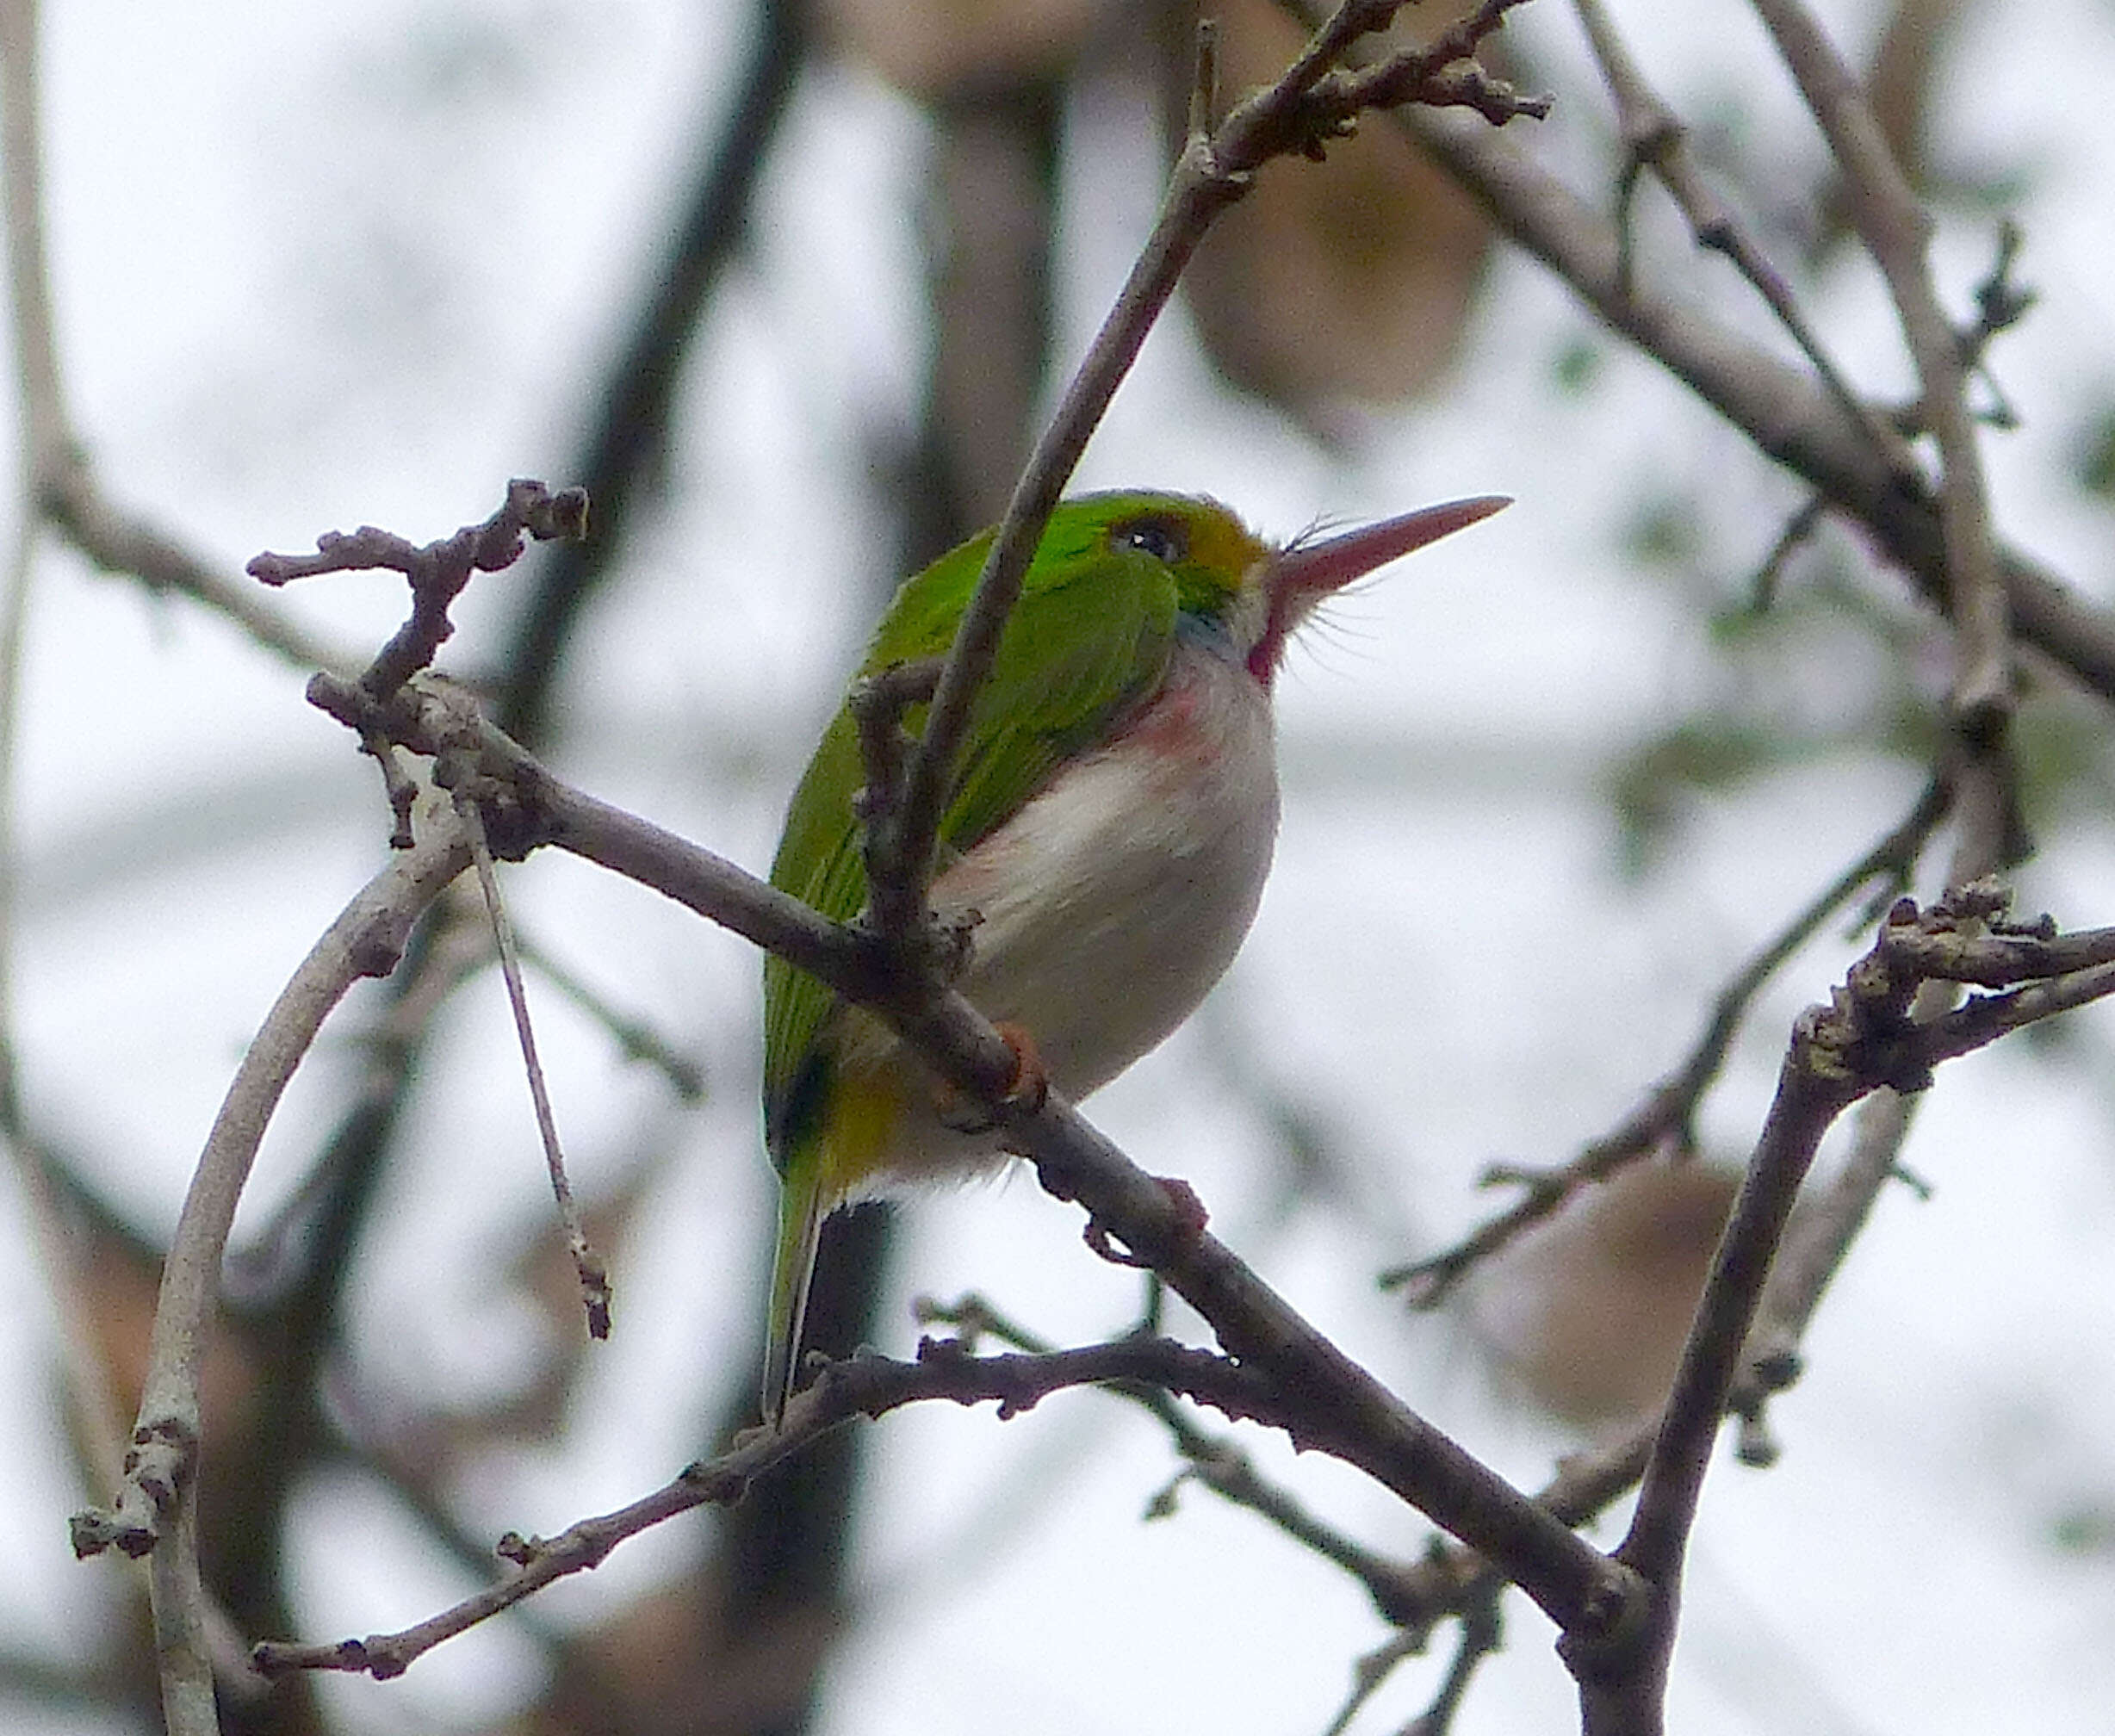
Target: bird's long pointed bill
(1313,569)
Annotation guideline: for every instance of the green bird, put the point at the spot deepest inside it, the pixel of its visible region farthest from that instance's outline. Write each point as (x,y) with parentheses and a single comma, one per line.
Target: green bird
(1108,832)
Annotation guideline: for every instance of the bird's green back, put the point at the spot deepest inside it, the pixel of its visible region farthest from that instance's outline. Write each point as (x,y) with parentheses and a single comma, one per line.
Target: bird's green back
(1087,641)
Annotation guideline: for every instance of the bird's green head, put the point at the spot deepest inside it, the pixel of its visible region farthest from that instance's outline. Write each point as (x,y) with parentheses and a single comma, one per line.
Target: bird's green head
(1250,595)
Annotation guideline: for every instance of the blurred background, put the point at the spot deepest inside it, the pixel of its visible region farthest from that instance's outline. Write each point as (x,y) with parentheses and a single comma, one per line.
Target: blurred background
(788,287)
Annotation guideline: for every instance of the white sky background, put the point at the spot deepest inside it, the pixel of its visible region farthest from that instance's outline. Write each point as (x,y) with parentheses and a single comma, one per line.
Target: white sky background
(348,262)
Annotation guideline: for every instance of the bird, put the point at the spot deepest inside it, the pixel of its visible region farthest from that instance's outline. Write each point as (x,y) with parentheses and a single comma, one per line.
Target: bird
(1105,839)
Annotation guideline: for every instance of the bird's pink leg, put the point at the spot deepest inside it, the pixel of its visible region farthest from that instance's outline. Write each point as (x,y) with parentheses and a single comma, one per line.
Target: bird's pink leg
(1029,1087)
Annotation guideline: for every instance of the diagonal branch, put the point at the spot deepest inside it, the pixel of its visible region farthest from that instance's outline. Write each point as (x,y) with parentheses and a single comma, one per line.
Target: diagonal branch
(1790,417)
(1896,231)
(1665,1116)
(1344,1410)
(1655,137)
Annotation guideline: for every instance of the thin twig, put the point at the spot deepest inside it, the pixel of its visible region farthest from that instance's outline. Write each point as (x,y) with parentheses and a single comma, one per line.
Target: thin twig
(1370,1674)
(2000,304)
(1798,531)
(638,1039)
(437,571)
(587,1265)
(1668,1112)
(1654,137)
(1215,1461)
(1483,1631)
(1896,231)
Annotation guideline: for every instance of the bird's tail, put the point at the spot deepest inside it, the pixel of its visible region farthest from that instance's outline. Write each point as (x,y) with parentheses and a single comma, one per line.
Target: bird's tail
(802,1208)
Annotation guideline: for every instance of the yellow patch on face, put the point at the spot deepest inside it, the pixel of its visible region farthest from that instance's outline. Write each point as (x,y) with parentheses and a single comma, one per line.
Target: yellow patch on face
(1221,543)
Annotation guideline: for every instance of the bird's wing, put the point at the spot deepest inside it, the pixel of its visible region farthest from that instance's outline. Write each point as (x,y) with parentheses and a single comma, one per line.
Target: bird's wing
(1088,638)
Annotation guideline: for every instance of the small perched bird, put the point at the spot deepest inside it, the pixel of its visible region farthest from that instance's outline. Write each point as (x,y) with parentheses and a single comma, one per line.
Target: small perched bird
(1108,832)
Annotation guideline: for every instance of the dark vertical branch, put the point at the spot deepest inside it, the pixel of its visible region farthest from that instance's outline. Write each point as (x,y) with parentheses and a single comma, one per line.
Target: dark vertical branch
(785,1549)
(619,459)
(993,180)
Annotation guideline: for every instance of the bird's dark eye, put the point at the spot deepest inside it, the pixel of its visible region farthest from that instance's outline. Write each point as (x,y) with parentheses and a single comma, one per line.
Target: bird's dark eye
(1164,539)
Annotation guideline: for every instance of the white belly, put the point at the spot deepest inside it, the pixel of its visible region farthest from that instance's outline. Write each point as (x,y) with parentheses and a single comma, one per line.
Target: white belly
(1115,900)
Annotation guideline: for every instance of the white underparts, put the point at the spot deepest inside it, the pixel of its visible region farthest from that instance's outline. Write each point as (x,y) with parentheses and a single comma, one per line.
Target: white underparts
(1114,900)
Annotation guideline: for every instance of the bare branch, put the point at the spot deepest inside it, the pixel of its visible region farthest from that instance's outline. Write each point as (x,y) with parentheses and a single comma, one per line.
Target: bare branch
(366,940)
(1397,1587)
(1864,1040)
(155,1508)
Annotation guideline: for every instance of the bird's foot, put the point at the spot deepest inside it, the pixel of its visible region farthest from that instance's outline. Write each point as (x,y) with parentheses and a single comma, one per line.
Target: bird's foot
(1028,1090)
(1031,1084)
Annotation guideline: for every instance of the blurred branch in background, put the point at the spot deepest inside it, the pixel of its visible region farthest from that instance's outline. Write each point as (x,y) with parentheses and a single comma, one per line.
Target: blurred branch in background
(620,460)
